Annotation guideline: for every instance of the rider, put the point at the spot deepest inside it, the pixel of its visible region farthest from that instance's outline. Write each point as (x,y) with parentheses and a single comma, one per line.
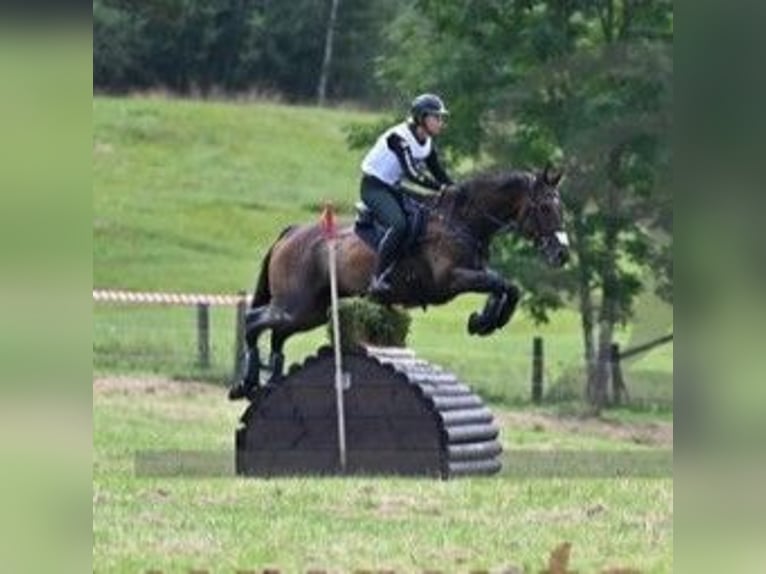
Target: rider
(400,152)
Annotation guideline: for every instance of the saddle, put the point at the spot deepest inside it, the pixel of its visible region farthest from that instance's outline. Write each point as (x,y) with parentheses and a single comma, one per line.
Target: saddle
(371,231)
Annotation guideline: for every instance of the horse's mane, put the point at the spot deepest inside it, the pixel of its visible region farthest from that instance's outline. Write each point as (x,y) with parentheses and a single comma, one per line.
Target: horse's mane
(489,179)
(498,179)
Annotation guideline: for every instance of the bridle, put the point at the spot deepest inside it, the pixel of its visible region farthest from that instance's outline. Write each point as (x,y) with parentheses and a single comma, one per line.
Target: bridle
(533,210)
(477,244)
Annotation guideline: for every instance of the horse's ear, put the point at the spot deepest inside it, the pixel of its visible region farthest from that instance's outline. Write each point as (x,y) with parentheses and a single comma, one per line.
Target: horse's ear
(554,178)
(551,176)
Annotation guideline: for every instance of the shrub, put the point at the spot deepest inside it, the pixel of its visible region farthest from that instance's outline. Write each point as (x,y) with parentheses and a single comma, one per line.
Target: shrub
(363,322)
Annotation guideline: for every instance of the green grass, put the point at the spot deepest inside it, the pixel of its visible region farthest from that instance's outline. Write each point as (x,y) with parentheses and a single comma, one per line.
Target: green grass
(138,339)
(224,523)
(188,195)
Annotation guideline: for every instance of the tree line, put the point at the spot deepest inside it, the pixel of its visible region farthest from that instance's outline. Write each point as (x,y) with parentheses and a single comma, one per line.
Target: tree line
(268,47)
(585,84)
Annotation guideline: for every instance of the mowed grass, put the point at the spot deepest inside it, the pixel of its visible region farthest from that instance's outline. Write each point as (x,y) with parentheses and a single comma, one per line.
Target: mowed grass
(189,195)
(294,524)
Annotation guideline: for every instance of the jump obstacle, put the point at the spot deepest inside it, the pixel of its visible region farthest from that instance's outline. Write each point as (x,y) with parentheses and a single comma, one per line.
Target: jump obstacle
(403,416)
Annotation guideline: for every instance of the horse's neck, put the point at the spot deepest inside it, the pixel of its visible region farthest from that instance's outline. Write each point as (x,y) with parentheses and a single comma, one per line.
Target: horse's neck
(484,213)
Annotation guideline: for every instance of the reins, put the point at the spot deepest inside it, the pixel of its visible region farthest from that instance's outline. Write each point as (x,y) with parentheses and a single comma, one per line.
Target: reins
(461,230)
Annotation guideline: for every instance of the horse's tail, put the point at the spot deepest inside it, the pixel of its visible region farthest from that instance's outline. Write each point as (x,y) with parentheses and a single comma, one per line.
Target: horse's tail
(262,293)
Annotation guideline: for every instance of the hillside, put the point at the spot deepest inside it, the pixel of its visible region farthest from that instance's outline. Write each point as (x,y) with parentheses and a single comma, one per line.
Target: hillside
(187,195)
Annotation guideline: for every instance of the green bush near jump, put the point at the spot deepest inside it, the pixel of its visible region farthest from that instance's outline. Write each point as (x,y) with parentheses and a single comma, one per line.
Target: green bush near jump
(364,322)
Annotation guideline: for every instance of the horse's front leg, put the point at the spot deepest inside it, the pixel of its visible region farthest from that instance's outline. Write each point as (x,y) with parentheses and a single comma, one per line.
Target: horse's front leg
(486,322)
(500,304)
(509,302)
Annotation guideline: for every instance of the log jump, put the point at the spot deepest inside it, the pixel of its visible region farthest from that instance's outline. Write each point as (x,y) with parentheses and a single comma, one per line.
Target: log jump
(404,416)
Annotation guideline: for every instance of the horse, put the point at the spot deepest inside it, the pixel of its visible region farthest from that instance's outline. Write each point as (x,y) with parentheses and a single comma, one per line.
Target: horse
(292,294)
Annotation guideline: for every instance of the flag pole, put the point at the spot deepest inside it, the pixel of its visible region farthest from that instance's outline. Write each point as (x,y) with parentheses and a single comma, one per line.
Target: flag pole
(328,227)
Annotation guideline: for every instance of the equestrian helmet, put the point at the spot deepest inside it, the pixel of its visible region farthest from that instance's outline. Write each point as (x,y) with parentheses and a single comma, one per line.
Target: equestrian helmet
(427,104)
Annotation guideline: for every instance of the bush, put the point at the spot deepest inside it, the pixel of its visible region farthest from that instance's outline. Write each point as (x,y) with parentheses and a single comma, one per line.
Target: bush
(363,322)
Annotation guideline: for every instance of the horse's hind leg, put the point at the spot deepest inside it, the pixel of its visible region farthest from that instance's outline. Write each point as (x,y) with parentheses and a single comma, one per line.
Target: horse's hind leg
(277,357)
(256,322)
(280,334)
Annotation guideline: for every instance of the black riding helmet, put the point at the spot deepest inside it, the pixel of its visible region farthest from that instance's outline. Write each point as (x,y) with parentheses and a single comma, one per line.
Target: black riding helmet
(427,104)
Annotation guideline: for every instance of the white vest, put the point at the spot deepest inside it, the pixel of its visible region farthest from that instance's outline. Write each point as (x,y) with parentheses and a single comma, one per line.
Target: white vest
(382,163)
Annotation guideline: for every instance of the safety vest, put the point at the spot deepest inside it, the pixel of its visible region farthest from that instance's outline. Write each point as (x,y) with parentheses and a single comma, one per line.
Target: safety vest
(382,163)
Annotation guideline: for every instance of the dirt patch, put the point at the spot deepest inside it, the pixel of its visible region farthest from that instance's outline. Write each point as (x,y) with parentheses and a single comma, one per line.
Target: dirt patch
(659,434)
(126,385)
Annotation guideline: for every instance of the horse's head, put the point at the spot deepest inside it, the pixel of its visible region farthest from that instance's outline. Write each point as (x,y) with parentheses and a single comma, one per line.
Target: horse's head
(517,200)
(541,218)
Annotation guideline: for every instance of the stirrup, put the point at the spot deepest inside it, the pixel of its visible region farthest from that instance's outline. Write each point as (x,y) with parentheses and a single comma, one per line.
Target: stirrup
(379,284)
(382,281)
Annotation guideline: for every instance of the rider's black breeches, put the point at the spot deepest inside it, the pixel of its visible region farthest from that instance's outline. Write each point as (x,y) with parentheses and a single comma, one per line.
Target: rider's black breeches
(384,202)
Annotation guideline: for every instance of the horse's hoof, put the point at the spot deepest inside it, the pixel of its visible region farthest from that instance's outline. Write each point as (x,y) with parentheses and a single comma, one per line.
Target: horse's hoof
(487,331)
(478,325)
(237,392)
(474,324)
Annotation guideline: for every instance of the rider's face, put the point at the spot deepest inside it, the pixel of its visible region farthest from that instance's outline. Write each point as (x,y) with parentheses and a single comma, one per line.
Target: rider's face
(433,124)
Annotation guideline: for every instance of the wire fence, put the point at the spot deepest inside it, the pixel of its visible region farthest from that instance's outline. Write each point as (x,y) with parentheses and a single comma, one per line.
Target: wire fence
(200,337)
(181,335)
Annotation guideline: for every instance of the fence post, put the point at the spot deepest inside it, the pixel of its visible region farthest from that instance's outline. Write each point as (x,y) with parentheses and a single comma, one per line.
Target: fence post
(239,332)
(203,334)
(537,370)
(618,384)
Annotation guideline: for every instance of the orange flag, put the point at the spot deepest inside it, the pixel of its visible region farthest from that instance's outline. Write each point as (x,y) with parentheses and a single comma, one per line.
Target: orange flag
(328,222)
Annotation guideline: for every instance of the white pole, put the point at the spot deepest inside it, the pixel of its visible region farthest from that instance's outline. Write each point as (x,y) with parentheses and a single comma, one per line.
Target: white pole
(331,245)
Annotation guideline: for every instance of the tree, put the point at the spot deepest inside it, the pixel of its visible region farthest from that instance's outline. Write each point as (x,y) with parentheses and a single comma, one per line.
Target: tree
(585,83)
(327,59)
(289,49)
(117,48)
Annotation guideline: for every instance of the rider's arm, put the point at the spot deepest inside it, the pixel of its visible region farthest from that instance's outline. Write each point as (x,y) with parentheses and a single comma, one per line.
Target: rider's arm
(435,167)
(402,151)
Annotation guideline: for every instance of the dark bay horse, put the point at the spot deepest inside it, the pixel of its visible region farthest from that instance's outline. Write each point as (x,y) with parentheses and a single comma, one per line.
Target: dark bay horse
(451,257)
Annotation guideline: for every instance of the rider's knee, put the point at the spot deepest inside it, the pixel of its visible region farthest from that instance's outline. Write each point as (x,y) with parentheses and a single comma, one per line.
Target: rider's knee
(399,227)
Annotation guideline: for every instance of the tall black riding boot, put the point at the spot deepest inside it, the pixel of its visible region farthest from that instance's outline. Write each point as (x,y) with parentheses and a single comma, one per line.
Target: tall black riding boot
(387,252)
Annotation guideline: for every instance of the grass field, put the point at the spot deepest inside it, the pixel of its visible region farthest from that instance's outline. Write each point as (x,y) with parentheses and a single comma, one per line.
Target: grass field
(342,525)
(186,197)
